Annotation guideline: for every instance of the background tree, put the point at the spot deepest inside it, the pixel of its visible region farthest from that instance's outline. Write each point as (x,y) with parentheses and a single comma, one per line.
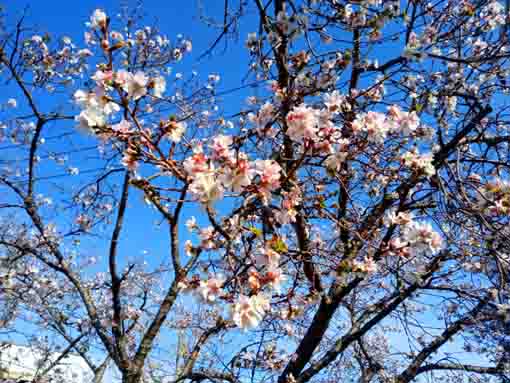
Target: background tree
(348,224)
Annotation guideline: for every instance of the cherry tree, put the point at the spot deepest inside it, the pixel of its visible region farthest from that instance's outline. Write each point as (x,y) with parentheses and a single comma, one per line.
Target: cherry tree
(349,222)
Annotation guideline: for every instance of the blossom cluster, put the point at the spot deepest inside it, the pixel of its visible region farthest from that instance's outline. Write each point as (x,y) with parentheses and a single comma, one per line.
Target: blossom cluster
(495,197)
(225,169)
(250,300)
(99,105)
(416,237)
(377,126)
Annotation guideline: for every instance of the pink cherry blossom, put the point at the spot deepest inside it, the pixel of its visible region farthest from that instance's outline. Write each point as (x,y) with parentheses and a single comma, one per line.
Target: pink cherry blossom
(210,290)
(249,311)
(98,19)
(302,123)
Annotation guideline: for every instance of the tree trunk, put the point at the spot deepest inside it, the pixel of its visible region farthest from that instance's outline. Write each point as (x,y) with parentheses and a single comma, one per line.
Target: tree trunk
(131,378)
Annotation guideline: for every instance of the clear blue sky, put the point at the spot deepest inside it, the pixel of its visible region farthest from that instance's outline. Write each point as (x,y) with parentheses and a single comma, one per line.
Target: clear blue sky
(173,17)
(61,17)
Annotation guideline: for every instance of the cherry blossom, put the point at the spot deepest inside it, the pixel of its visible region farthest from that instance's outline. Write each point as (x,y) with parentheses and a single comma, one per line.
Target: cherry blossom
(175,130)
(206,188)
(269,172)
(422,237)
(211,289)
(422,163)
(247,312)
(12,103)
(159,86)
(335,102)
(302,123)
(98,19)
(356,172)
(136,85)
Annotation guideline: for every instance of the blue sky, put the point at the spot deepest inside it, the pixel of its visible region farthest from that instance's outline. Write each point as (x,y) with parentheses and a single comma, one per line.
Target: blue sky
(68,18)
(173,17)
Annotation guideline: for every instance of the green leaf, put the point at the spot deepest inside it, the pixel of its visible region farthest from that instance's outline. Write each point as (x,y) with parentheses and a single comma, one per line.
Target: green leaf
(255,231)
(279,246)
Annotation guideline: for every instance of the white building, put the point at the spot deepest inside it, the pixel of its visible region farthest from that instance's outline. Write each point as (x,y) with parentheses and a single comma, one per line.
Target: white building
(21,362)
